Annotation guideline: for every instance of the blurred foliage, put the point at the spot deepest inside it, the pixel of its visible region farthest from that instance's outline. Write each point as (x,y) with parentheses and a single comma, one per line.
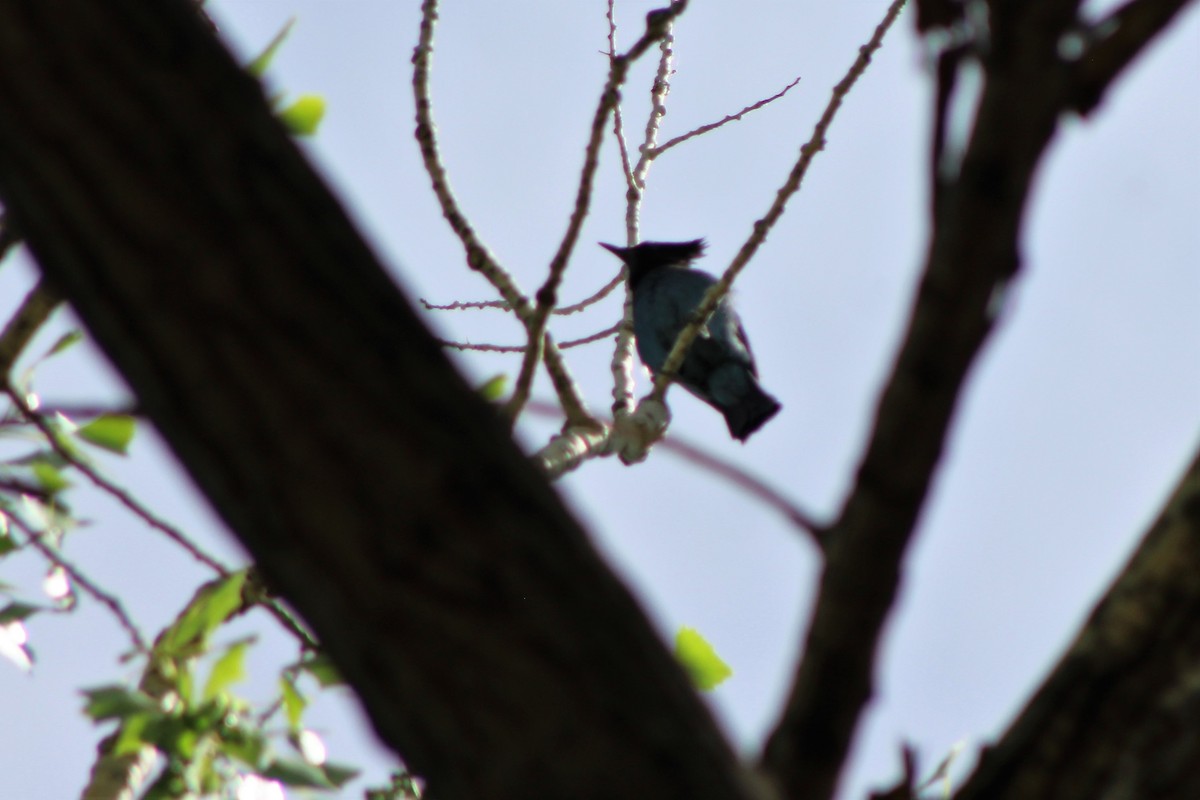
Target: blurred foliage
(706,669)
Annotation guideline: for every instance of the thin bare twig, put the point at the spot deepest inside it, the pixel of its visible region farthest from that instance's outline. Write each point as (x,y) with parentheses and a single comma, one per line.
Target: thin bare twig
(569,455)
(761,227)
(562,311)
(465,305)
(564,385)
(658,26)
(478,256)
(123,497)
(37,540)
(618,124)
(603,292)
(658,109)
(749,483)
(510,348)
(712,126)
(621,365)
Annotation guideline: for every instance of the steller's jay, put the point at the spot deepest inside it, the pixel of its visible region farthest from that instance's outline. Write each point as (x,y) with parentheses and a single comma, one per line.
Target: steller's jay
(719,367)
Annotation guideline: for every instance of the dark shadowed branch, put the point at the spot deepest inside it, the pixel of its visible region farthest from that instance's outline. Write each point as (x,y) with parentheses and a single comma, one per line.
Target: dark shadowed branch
(1117,716)
(973,255)
(374,488)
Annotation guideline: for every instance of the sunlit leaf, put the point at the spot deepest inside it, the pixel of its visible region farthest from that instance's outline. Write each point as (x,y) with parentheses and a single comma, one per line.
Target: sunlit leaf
(246,745)
(263,60)
(321,668)
(130,736)
(113,432)
(304,115)
(293,702)
(48,517)
(214,603)
(701,661)
(13,639)
(229,669)
(253,787)
(56,584)
(291,772)
(117,702)
(311,747)
(65,341)
(16,612)
(493,389)
(49,477)
(339,774)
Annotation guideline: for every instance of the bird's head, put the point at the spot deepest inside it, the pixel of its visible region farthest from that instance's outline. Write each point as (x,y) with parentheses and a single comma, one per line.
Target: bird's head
(644,258)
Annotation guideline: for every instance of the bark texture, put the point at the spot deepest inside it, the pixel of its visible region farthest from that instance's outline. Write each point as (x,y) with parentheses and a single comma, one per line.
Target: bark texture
(490,646)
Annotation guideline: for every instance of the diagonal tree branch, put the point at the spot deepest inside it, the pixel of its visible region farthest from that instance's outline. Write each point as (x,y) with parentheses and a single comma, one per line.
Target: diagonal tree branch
(712,126)
(1119,38)
(658,26)
(24,324)
(1116,717)
(763,226)
(973,255)
(376,491)
(479,258)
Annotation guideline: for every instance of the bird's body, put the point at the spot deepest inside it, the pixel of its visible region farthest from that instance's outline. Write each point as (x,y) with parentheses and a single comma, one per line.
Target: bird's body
(719,367)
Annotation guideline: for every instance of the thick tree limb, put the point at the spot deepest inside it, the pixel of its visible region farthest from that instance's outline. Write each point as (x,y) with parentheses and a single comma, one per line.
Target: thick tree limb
(973,255)
(1117,717)
(376,491)
(1120,37)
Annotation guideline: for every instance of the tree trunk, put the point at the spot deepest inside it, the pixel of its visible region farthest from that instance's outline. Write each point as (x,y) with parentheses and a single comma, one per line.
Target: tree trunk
(379,495)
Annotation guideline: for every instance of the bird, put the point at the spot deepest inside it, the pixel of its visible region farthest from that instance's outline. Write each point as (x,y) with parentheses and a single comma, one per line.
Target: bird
(719,367)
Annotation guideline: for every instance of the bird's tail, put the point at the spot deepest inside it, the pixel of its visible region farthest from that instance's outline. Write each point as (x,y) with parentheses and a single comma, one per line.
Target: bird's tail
(750,413)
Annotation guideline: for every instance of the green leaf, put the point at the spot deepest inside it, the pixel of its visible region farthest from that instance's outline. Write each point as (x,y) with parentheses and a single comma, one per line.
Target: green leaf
(49,476)
(68,339)
(259,65)
(321,668)
(246,745)
(293,702)
(303,116)
(14,612)
(117,702)
(130,736)
(494,388)
(229,669)
(701,661)
(297,773)
(14,647)
(113,432)
(214,603)
(339,774)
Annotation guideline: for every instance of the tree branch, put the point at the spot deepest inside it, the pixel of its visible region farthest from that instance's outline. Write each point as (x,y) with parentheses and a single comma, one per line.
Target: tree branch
(24,324)
(658,26)
(1119,38)
(490,645)
(973,255)
(1117,715)
(479,258)
(762,227)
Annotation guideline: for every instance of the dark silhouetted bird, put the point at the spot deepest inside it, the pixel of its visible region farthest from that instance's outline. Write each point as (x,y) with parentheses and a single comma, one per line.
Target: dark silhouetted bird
(719,368)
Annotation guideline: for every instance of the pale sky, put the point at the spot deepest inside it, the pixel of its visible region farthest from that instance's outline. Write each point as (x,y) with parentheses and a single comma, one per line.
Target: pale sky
(1076,420)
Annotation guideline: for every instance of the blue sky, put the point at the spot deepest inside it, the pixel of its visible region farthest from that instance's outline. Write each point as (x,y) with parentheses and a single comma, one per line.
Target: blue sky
(1075,421)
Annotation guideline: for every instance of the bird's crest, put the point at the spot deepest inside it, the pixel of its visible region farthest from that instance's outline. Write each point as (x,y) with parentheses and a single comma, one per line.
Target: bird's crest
(649,256)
